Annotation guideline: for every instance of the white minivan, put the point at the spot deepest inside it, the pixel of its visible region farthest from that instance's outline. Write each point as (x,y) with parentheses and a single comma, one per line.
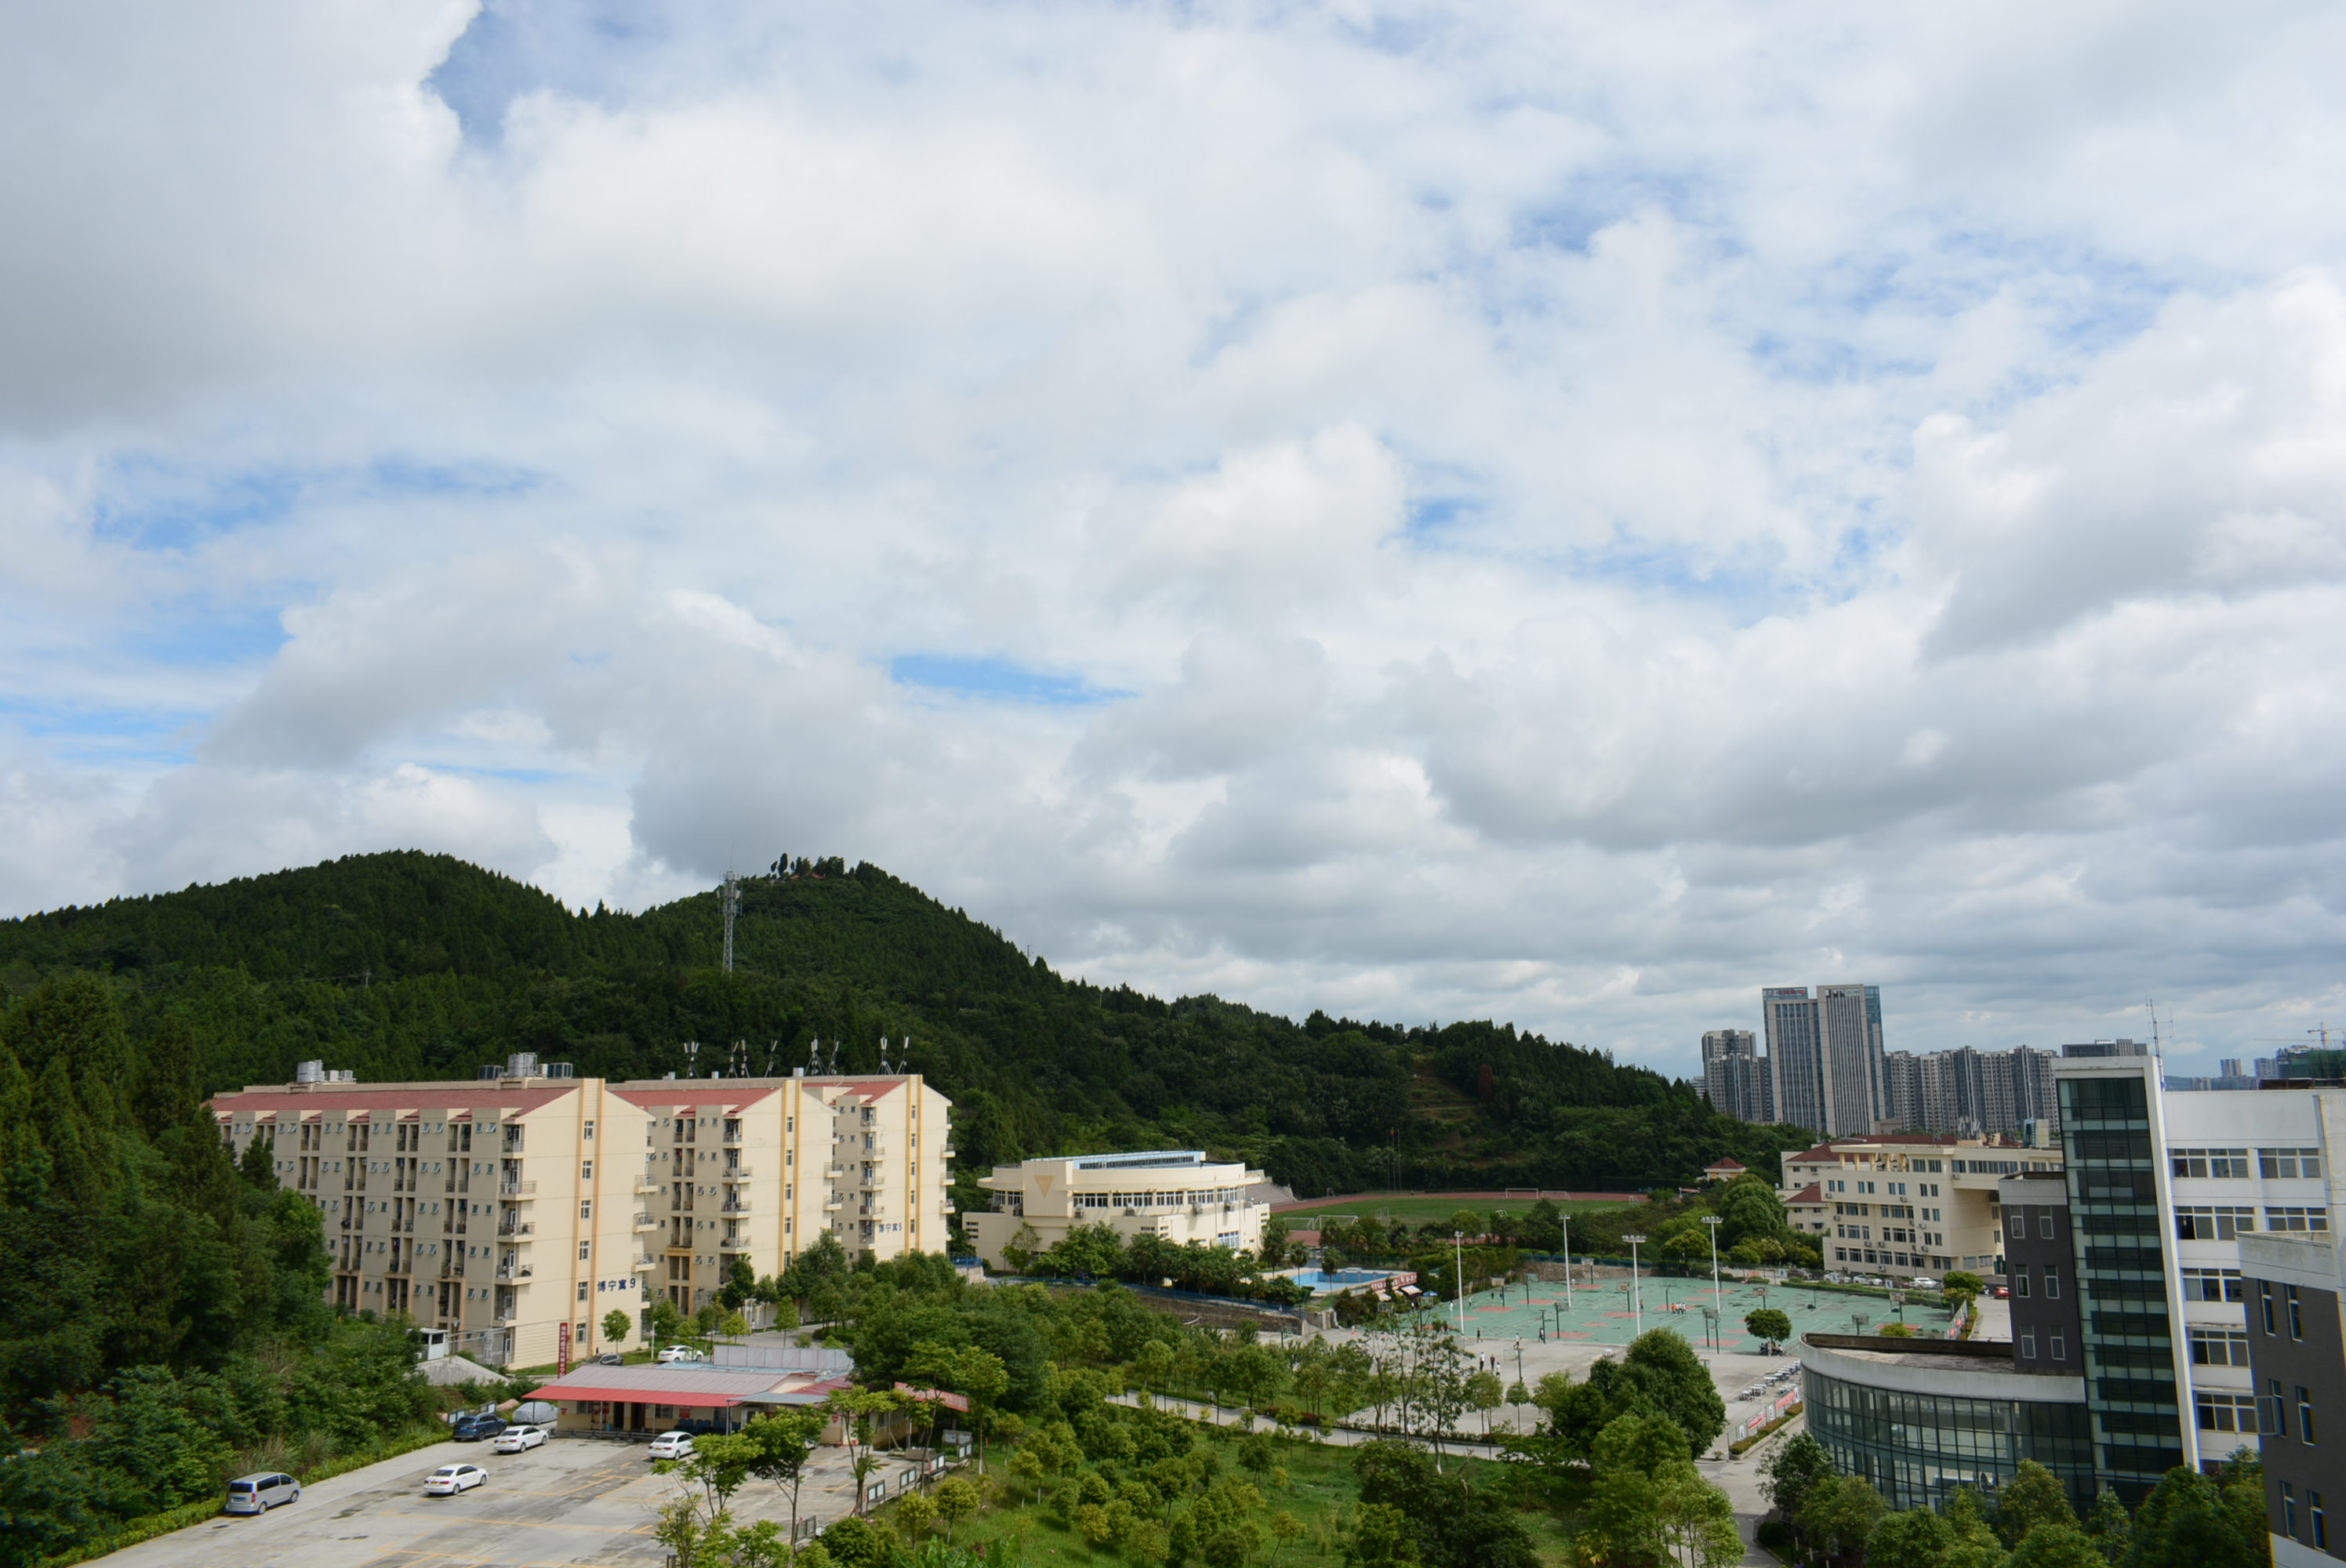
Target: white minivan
(261,1491)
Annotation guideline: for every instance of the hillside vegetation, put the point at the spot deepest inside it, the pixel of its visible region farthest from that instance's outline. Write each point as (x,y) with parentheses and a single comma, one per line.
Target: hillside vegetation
(408,965)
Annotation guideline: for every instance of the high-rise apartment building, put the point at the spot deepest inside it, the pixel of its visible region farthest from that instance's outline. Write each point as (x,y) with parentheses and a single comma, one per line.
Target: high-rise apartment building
(1968,1092)
(1735,1076)
(1824,1055)
(514,1211)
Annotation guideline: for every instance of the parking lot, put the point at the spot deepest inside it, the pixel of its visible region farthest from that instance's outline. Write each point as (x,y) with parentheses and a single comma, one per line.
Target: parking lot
(575,1501)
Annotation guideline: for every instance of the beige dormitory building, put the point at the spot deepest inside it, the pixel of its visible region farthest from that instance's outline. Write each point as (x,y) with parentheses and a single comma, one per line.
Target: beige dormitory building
(1905,1204)
(507,1209)
(1177,1194)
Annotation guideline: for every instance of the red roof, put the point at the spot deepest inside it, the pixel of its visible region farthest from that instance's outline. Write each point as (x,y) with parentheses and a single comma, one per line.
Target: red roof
(733,1094)
(463,1098)
(951,1401)
(1726,1163)
(1812,1193)
(685,1400)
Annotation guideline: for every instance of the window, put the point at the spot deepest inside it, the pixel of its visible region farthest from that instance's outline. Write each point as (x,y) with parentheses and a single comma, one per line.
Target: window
(2222,1411)
(2264,1297)
(2288,1164)
(2213,1223)
(2028,1344)
(2044,1225)
(2020,1280)
(2214,1285)
(2297,1219)
(2276,1415)
(2220,1163)
(2289,1510)
(2051,1282)
(590,1132)
(2019,1228)
(587,1171)
(584,1247)
(587,1211)
(582,1290)
(2296,1313)
(2219,1348)
(2304,1414)
(2320,1523)
(2060,1346)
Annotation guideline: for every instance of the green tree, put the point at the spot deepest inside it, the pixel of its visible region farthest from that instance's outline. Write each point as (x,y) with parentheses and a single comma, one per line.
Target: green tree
(2034,1497)
(1971,1544)
(2108,1526)
(2185,1521)
(1027,1468)
(782,1443)
(1918,1538)
(914,1514)
(957,1498)
(1839,1514)
(1771,1324)
(2052,1544)
(617,1325)
(1381,1537)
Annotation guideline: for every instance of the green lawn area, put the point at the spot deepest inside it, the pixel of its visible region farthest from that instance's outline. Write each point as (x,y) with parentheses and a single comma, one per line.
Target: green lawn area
(1417,1208)
(1320,1488)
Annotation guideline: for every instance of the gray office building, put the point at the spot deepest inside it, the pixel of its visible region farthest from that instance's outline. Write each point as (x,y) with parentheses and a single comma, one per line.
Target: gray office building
(1735,1076)
(1824,1056)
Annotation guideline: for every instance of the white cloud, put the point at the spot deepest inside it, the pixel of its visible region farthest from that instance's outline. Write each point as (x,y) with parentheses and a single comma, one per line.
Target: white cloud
(1546,511)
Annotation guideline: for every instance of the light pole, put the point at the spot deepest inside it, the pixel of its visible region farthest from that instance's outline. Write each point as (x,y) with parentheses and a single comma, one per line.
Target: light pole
(1458,1249)
(1563,1224)
(1637,1303)
(1711,1223)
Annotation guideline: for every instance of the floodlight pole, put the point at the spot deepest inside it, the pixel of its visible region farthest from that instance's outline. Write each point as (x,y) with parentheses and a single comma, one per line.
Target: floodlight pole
(1458,1281)
(1711,1223)
(1565,1224)
(1636,1301)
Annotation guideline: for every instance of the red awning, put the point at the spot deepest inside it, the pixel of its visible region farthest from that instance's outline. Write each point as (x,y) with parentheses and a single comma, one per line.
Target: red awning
(955,1401)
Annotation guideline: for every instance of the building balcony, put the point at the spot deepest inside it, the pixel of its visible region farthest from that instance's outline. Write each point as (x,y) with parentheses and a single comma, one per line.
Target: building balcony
(734,1243)
(518,1191)
(645,1222)
(836,1200)
(871,1180)
(646,1185)
(514,1271)
(738,1173)
(644,1265)
(517,1228)
(735,1205)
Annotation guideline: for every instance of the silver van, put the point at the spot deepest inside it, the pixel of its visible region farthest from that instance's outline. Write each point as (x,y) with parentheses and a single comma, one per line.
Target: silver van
(261,1491)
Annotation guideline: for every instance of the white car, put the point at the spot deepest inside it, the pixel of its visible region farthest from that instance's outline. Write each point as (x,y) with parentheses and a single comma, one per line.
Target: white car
(675,1353)
(451,1479)
(672,1445)
(513,1440)
(1919,1283)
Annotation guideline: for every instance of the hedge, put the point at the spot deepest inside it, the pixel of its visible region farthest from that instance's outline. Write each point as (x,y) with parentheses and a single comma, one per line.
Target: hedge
(1735,1449)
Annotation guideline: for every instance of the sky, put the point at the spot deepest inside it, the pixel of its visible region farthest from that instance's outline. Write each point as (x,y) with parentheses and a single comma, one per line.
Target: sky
(1559,512)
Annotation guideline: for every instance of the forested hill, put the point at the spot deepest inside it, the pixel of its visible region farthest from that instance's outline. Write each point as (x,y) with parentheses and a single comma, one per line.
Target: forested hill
(409,965)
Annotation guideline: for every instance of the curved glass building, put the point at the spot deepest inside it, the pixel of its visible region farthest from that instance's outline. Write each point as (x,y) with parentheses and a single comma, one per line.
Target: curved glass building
(1919,1418)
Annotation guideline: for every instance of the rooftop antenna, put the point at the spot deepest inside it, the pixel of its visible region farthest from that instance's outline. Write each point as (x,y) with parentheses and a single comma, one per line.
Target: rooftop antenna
(732,907)
(738,1059)
(814,1056)
(773,1055)
(834,1067)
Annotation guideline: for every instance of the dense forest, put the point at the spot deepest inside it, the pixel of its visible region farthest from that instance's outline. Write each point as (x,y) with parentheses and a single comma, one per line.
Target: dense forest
(408,965)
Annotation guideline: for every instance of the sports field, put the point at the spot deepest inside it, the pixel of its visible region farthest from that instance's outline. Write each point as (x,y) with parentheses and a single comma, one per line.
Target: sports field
(1419,1207)
(1604,1314)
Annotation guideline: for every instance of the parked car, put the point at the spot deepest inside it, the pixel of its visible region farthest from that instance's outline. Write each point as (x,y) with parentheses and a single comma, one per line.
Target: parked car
(261,1491)
(672,1445)
(513,1440)
(2001,1292)
(610,1358)
(1919,1283)
(451,1479)
(680,1353)
(477,1428)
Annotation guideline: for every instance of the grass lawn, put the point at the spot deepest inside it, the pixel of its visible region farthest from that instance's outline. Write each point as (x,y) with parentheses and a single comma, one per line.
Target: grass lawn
(1417,1208)
(1319,1486)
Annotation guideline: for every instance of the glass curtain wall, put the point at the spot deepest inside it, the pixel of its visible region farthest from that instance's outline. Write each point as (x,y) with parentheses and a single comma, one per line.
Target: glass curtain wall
(2131,1388)
(1916,1448)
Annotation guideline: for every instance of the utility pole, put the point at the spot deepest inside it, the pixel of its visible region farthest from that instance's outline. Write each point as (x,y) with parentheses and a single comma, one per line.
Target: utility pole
(1564,1223)
(1458,1249)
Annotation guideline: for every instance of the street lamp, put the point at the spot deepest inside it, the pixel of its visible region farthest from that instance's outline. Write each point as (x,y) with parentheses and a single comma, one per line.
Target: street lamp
(1563,1224)
(1636,1302)
(1711,1222)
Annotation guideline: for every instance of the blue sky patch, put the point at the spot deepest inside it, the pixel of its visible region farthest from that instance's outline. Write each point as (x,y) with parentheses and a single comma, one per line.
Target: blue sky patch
(995,679)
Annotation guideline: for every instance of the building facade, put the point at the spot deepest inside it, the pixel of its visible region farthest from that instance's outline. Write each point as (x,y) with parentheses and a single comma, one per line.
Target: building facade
(1177,1194)
(1735,1076)
(1906,1204)
(516,1211)
(2297,1359)
(1968,1092)
(1824,1056)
